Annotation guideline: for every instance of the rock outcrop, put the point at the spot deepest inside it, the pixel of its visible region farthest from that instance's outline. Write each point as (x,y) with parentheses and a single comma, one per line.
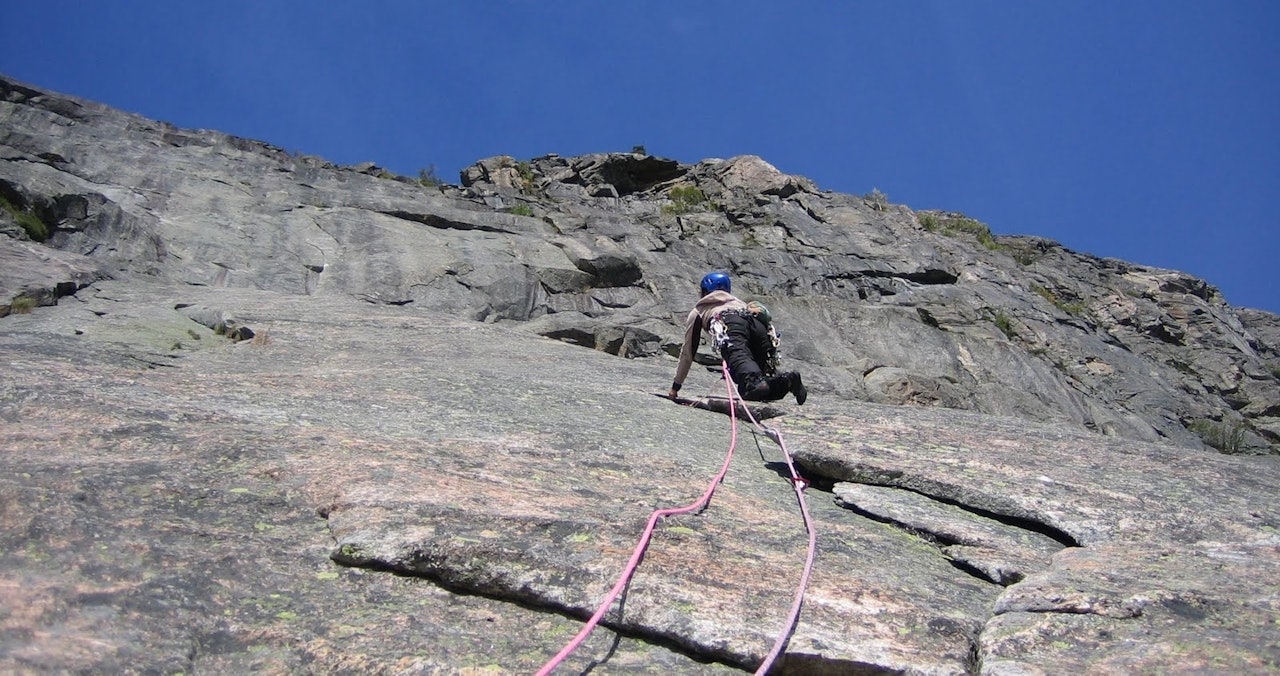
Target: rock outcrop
(262,412)
(880,303)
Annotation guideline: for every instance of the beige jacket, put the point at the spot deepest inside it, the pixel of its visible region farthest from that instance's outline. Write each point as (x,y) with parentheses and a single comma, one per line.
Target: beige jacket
(699,319)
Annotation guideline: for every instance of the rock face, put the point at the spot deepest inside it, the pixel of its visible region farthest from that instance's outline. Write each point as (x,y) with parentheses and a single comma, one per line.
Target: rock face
(244,387)
(879,303)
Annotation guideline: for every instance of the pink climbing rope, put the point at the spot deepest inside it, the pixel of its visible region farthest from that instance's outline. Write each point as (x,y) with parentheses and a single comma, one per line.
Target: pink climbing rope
(643,544)
(797,483)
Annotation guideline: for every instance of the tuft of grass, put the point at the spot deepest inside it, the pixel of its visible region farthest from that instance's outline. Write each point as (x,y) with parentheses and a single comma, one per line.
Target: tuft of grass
(960,225)
(526,174)
(1224,436)
(977,229)
(22,305)
(27,219)
(685,199)
(1003,323)
(521,210)
(1075,308)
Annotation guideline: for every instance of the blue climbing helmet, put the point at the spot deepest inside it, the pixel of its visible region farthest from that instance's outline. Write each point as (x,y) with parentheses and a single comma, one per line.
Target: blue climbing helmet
(715,281)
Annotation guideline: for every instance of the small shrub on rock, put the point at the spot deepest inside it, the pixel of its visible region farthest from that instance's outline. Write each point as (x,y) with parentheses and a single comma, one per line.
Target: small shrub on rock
(876,200)
(1075,308)
(27,219)
(428,178)
(685,199)
(957,225)
(526,175)
(1222,435)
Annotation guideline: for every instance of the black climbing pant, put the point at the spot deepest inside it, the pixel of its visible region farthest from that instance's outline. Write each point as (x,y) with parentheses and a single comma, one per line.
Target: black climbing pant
(748,337)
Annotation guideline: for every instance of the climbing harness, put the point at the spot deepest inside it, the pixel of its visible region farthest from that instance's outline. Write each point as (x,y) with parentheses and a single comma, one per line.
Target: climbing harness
(798,485)
(766,356)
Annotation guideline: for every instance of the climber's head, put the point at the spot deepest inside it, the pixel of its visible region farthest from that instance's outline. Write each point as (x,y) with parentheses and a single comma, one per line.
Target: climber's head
(715,281)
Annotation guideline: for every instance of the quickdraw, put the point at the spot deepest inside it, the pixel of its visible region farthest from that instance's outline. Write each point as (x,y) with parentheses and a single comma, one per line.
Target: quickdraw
(719,335)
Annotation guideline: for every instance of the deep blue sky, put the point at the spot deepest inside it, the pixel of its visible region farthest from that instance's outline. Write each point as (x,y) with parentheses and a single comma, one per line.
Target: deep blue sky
(1148,131)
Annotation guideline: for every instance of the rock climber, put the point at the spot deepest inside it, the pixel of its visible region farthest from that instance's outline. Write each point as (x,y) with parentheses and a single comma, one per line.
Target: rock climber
(743,340)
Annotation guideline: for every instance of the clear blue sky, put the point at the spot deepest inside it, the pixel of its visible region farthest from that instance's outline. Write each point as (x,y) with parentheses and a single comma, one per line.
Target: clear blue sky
(1147,131)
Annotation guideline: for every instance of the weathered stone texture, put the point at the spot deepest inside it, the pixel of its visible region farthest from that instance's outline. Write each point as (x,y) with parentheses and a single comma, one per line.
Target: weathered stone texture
(264,413)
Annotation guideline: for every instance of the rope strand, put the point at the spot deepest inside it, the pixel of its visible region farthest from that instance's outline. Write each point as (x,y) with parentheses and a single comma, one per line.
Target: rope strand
(798,484)
(643,544)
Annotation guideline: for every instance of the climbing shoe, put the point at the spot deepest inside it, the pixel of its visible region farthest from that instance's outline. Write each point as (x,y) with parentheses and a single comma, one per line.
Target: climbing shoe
(798,389)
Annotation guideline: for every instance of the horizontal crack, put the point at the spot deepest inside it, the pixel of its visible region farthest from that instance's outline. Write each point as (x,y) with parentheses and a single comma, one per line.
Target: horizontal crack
(721,405)
(928,276)
(995,548)
(1024,523)
(435,221)
(939,492)
(437,572)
